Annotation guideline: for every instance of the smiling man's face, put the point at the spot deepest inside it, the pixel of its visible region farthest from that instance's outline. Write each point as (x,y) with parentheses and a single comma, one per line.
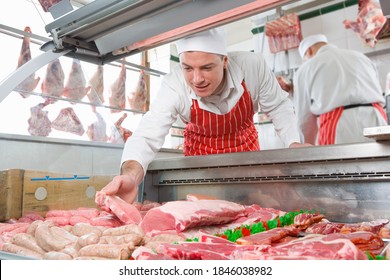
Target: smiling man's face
(203,71)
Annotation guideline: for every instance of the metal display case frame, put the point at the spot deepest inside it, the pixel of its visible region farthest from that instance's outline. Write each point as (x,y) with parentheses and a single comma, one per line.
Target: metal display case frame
(347,183)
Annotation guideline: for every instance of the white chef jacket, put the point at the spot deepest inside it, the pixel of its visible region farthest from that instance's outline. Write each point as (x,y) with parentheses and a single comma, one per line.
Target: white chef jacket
(333,78)
(174,100)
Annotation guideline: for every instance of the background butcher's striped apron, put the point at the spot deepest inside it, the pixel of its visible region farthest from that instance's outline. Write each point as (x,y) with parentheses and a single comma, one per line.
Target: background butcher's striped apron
(209,133)
(329,121)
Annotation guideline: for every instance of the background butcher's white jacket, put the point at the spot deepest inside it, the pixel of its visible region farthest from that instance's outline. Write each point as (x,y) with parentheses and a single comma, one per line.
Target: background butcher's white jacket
(174,99)
(328,81)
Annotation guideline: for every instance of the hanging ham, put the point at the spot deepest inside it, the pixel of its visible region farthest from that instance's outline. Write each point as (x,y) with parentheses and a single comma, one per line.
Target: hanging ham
(30,83)
(117,91)
(53,83)
(75,88)
(137,98)
(96,87)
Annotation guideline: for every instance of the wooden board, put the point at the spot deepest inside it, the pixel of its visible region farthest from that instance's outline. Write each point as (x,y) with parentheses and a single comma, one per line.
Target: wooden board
(11,193)
(45,191)
(28,191)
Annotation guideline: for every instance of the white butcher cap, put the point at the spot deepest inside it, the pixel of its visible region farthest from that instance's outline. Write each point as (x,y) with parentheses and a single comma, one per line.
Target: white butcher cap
(310,41)
(210,41)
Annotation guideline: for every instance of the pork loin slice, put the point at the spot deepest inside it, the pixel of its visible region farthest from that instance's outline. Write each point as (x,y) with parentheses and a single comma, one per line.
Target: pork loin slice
(181,215)
(268,237)
(126,213)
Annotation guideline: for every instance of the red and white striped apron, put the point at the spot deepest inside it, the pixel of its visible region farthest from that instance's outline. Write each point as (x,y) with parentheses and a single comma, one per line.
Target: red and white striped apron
(329,121)
(209,133)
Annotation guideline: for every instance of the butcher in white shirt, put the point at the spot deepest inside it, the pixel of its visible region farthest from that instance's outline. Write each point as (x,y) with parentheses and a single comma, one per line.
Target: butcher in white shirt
(337,93)
(216,94)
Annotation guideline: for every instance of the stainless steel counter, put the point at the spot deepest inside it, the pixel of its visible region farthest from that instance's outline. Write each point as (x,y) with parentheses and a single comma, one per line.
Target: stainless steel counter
(348,183)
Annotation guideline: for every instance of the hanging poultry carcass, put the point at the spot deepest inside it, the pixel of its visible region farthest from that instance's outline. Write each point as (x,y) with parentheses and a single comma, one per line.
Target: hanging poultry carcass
(96,131)
(119,134)
(53,83)
(39,123)
(30,83)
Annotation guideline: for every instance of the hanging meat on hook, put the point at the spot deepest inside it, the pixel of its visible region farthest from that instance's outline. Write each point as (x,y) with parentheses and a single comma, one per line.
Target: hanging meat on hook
(137,98)
(30,83)
(75,88)
(119,134)
(53,83)
(39,123)
(369,23)
(117,91)
(96,87)
(68,121)
(97,130)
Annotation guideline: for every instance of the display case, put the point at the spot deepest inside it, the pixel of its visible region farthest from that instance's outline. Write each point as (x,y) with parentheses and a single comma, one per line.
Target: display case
(347,183)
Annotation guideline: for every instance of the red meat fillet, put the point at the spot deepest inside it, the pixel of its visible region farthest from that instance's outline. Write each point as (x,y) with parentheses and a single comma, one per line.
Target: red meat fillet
(268,237)
(126,213)
(181,215)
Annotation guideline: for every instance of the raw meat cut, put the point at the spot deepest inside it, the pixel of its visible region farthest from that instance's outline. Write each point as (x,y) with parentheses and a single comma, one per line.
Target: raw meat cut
(207,251)
(119,134)
(269,236)
(137,98)
(39,123)
(253,214)
(373,226)
(181,215)
(53,83)
(284,33)
(46,4)
(117,91)
(324,227)
(68,121)
(75,88)
(126,213)
(96,86)
(304,220)
(384,232)
(309,248)
(30,83)
(365,241)
(369,22)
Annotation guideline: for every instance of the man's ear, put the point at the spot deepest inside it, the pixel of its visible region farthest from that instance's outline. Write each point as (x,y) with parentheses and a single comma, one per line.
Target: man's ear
(225,62)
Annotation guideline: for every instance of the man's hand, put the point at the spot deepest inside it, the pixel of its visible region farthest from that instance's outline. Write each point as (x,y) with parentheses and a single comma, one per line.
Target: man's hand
(126,185)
